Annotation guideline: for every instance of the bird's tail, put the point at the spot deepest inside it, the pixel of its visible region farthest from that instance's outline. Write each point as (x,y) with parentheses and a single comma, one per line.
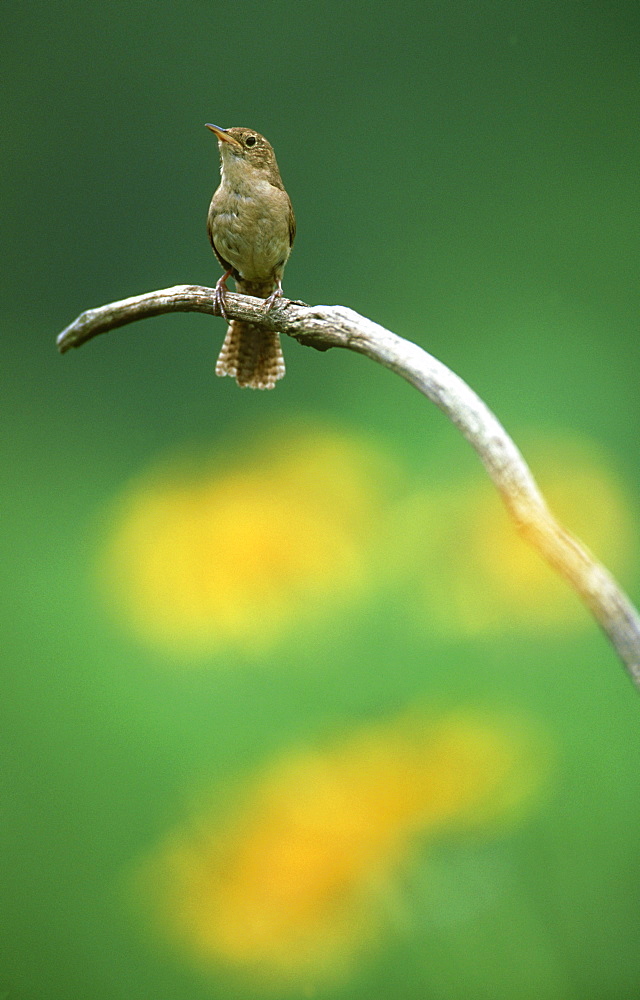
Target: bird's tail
(251,354)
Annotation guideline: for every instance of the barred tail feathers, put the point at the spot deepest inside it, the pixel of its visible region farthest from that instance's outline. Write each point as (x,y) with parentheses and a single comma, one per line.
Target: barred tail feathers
(252,355)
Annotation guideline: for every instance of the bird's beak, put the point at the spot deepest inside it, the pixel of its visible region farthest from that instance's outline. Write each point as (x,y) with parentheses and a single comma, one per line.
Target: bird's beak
(224,135)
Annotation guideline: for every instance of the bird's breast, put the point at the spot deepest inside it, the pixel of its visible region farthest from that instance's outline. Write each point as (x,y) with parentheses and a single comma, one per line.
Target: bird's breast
(249,227)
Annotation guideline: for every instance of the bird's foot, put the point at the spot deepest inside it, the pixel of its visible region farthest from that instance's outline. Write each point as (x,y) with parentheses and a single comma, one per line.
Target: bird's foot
(219,296)
(273,298)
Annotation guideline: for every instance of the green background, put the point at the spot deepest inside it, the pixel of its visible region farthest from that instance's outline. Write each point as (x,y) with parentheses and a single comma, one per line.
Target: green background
(463,172)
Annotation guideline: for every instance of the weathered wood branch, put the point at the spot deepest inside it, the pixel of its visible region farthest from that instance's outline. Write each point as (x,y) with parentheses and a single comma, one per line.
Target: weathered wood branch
(324,327)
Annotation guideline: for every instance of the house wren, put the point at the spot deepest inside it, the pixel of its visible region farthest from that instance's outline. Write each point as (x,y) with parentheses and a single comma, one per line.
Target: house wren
(251,227)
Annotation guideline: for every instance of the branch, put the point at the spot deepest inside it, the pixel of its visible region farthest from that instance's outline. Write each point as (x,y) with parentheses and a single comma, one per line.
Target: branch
(323,327)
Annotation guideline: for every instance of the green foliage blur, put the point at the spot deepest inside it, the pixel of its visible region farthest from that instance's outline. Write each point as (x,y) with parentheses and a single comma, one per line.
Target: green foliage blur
(464,172)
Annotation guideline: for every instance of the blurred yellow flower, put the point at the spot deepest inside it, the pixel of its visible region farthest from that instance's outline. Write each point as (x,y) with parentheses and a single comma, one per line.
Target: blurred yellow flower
(238,553)
(475,572)
(286,889)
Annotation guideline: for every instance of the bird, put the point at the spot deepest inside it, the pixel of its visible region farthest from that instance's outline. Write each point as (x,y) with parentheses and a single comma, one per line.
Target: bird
(251,227)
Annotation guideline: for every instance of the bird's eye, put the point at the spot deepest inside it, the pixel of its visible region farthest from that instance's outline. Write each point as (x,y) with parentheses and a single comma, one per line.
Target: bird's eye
(250,140)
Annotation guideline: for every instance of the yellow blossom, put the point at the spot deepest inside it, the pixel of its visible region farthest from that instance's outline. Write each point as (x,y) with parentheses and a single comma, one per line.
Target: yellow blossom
(476,574)
(285,887)
(237,552)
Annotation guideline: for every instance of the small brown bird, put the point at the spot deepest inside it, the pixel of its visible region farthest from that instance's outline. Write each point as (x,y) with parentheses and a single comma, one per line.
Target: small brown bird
(251,227)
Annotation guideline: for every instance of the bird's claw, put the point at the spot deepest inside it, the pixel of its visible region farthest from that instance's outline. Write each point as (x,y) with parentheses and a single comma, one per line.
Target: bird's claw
(273,298)
(219,296)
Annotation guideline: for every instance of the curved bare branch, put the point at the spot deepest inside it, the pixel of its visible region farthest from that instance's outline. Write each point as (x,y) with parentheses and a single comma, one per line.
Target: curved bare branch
(324,327)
